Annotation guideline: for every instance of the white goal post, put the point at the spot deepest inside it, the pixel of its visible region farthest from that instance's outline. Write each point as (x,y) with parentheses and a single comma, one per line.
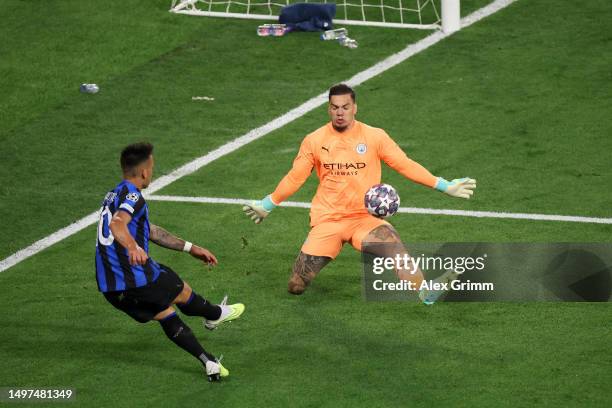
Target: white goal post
(420,14)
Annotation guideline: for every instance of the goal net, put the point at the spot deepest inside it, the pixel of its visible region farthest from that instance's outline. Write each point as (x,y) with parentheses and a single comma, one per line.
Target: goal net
(423,14)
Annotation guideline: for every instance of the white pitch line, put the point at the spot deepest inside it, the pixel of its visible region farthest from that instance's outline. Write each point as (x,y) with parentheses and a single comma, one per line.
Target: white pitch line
(257,133)
(407,210)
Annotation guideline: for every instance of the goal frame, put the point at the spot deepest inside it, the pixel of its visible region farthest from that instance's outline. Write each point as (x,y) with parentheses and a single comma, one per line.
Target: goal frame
(450,16)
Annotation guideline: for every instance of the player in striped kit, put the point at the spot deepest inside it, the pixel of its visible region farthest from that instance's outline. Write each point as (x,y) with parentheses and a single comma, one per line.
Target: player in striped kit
(137,285)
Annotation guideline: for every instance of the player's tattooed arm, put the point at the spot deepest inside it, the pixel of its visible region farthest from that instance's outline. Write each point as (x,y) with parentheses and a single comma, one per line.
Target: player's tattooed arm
(163,238)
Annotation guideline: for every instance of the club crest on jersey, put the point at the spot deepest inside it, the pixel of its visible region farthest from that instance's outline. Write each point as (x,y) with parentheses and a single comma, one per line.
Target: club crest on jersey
(361,148)
(132,197)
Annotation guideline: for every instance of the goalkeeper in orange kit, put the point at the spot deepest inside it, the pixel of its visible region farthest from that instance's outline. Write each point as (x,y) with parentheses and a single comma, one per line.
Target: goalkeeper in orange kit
(346,155)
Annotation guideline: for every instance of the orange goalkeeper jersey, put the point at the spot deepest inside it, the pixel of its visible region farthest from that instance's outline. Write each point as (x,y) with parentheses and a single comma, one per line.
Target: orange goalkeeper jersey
(347,165)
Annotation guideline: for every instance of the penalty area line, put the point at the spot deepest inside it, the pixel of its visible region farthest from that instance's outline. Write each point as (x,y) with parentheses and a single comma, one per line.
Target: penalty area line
(404,210)
(257,133)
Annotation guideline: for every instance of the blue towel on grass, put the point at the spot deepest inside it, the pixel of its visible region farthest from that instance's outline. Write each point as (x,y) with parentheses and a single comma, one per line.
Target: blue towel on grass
(308,16)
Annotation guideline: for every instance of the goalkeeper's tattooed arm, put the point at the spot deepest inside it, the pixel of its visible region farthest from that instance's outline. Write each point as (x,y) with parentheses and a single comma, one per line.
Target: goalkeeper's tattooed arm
(165,239)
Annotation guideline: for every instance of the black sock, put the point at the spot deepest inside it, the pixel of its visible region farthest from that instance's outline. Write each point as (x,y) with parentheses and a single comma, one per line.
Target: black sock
(182,336)
(198,306)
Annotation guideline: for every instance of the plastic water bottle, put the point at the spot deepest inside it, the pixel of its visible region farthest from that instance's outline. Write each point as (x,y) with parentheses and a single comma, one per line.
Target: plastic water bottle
(274,30)
(89,88)
(278,30)
(348,42)
(263,30)
(334,34)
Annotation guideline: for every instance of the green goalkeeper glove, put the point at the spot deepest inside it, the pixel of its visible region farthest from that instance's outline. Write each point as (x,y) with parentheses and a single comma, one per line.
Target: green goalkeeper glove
(258,210)
(461,188)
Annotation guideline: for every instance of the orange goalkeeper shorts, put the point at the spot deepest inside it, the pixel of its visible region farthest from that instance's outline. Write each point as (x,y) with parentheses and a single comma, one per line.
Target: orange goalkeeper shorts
(327,238)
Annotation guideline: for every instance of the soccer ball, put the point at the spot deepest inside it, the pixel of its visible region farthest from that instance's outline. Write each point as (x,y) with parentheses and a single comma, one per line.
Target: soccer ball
(382,200)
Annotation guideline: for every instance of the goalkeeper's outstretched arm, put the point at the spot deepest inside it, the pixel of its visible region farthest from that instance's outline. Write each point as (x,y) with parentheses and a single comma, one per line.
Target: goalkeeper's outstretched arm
(395,157)
(293,180)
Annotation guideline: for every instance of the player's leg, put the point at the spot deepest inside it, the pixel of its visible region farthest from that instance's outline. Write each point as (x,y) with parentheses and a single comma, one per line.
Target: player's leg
(379,238)
(154,302)
(323,244)
(305,269)
(170,289)
(192,304)
(180,334)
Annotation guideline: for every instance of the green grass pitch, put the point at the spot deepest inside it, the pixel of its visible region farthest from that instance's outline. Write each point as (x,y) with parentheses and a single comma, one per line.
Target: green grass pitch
(519,101)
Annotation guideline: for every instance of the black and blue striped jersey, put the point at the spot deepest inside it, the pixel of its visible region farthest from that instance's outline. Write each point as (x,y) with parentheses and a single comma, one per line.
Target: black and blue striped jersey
(113,269)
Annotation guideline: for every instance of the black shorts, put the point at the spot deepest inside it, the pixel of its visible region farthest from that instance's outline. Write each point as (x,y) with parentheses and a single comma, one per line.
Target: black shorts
(145,302)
